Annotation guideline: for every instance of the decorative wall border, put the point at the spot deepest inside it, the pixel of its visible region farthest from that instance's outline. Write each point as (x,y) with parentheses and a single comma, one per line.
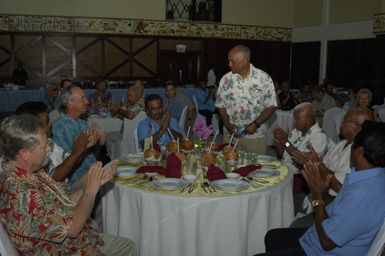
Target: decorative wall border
(35,23)
(379,23)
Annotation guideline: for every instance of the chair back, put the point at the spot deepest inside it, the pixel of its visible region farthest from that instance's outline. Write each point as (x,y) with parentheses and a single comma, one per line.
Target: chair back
(379,242)
(196,104)
(215,118)
(338,121)
(329,124)
(182,120)
(6,246)
(136,141)
(381,114)
(127,146)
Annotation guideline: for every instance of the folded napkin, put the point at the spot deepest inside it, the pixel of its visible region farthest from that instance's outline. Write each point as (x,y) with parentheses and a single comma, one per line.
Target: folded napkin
(156,146)
(173,166)
(158,169)
(245,170)
(215,173)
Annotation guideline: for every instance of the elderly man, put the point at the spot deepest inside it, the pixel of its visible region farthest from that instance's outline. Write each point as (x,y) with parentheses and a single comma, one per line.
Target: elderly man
(40,218)
(305,135)
(246,99)
(135,102)
(74,103)
(350,223)
(158,124)
(60,164)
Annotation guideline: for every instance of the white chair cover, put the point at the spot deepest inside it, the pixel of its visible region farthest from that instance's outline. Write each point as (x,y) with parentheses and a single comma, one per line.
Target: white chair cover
(378,244)
(381,114)
(53,115)
(136,140)
(182,120)
(338,121)
(127,146)
(329,124)
(6,246)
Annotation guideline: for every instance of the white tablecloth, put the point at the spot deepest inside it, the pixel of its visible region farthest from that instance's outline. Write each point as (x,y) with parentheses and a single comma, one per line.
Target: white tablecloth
(167,225)
(107,124)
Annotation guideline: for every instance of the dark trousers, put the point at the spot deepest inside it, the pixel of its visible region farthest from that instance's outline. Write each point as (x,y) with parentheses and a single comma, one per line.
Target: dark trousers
(284,241)
(209,118)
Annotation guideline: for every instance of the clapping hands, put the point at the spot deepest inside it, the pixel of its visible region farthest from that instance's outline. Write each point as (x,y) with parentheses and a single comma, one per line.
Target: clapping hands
(280,136)
(316,183)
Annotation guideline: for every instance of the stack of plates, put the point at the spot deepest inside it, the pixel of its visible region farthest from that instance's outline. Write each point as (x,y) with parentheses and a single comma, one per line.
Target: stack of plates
(265,158)
(125,171)
(169,184)
(264,173)
(230,185)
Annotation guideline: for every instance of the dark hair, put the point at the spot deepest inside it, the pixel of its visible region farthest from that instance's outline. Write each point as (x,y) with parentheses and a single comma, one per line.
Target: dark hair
(171,83)
(32,107)
(372,139)
(63,81)
(318,88)
(152,97)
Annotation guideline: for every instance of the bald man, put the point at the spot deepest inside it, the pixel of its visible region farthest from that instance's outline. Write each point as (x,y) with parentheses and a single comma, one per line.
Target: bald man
(307,134)
(245,100)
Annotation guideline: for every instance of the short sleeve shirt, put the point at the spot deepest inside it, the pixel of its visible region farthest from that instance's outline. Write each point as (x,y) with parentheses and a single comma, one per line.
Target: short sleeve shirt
(148,127)
(37,215)
(245,99)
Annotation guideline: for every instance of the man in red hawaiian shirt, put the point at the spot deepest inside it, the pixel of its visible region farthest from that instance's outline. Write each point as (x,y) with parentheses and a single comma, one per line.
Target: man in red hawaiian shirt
(39,216)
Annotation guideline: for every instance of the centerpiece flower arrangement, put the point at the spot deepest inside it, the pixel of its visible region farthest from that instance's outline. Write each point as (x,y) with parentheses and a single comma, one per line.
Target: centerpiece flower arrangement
(201,130)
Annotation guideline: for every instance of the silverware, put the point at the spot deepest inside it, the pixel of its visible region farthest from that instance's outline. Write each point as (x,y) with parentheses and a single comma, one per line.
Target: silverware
(192,188)
(189,186)
(207,185)
(204,188)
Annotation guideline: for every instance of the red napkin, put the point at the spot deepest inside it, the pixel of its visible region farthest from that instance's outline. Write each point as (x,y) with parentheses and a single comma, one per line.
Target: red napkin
(245,170)
(158,169)
(156,146)
(214,173)
(173,166)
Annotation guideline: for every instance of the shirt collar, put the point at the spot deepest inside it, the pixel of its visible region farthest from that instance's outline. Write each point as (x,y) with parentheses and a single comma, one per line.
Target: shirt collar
(357,176)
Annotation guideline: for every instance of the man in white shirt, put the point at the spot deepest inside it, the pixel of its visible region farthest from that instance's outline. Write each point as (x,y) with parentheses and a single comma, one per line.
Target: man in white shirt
(305,135)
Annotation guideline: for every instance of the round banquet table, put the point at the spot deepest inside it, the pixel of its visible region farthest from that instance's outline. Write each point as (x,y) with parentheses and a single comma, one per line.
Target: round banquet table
(168,224)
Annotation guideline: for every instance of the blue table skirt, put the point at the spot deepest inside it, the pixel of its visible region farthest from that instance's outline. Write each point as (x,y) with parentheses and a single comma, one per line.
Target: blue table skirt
(10,100)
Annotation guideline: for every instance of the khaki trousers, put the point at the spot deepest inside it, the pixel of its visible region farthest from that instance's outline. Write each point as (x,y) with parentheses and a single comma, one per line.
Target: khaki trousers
(254,145)
(117,246)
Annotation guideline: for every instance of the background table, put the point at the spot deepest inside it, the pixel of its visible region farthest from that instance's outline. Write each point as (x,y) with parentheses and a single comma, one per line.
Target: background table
(168,225)
(107,124)
(10,100)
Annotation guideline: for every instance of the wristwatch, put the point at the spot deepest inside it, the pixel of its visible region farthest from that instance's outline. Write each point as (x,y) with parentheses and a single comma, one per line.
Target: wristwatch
(287,144)
(317,202)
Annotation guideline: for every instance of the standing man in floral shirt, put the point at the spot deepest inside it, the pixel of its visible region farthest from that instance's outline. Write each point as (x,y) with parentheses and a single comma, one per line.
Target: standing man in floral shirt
(246,99)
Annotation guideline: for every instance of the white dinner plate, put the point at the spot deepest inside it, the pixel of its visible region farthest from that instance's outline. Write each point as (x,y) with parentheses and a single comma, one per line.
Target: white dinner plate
(265,158)
(125,171)
(264,173)
(230,184)
(133,158)
(169,184)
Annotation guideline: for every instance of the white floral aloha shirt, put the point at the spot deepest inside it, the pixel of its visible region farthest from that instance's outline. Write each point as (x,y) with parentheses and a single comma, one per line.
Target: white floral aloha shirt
(245,99)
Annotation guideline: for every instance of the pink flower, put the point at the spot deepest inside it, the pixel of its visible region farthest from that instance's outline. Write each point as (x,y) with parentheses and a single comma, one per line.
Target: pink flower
(200,128)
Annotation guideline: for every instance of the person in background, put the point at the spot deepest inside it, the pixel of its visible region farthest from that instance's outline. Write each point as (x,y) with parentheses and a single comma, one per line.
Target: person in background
(50,97)
(321,102)
(305,93)
(173,103)
(205,98)
(351,99)
(60,164)
(349,224)
(65,83)
(39,216)
(134,104)
(73,104)
(19,75)
(101,99)
(246,99)
(364,98)
(286,99)
(158,123)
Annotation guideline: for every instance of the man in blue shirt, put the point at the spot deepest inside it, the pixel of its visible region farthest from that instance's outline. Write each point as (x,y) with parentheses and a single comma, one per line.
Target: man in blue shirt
(205,98)
(173,104)
(74,103)
(350,223)
(157,123)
